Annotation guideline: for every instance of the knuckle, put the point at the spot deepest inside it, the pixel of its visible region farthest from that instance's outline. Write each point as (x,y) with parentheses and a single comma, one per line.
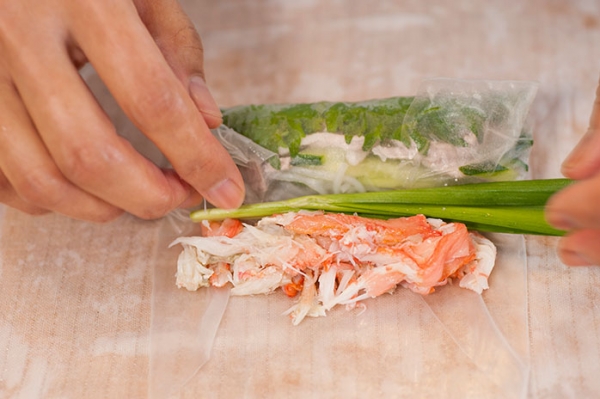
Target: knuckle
(187,36)
(11,198)
(157,103)
(158,204)
(87,162)
(40,187)
(158,201)
(188,43)
(203,169)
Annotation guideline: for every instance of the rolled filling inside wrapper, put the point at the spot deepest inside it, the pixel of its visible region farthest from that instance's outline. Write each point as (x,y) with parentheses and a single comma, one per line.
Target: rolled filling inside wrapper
(330,259)
(451,132)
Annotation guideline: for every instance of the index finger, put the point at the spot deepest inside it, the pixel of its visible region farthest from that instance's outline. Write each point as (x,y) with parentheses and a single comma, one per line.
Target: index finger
(156,101)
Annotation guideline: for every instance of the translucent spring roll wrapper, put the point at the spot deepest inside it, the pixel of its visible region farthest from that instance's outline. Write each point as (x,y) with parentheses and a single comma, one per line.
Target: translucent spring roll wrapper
(453,343)
(183,328)
(451,132)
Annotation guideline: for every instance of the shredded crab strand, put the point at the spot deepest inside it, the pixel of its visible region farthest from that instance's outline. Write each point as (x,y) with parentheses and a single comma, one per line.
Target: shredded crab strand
(328,260)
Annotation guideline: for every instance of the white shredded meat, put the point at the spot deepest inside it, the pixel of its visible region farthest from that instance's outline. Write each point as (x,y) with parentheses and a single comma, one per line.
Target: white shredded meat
(334,259)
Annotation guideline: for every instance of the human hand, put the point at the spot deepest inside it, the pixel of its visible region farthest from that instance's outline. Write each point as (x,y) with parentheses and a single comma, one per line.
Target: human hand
(577,207)
(59,151)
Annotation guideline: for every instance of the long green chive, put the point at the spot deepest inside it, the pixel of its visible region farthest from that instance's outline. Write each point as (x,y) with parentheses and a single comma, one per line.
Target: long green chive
(508,207)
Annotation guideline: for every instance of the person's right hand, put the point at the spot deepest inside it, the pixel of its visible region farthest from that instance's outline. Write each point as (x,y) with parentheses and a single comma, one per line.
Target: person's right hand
(59,152)
(577,207)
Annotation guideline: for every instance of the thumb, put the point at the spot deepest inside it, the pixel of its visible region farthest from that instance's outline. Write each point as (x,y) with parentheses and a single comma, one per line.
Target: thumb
(182,48)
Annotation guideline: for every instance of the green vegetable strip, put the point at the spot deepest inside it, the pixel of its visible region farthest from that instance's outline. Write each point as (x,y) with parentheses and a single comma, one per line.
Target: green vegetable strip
(509,193)
(510,207)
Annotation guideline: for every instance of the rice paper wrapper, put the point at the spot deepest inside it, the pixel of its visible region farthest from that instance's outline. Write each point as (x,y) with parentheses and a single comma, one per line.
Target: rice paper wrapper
(451,132)
(452,343)
(183,326)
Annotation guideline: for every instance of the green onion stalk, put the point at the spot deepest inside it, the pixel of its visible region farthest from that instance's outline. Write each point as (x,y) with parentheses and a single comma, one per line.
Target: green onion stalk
(506,207)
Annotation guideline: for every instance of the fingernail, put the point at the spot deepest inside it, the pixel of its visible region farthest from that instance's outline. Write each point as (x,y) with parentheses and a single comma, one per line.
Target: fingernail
(204,100)
(225,194)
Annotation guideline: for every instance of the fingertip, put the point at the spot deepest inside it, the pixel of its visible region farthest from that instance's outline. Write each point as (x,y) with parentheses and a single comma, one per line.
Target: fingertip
(559,220)
(108,215)
(574,168)
(572,165)
(580,248)
(569,169)
(212,121)
(180,193)
(205,102)
(571,258)
(192,201)
(575,206)
(556,215)
(584,159)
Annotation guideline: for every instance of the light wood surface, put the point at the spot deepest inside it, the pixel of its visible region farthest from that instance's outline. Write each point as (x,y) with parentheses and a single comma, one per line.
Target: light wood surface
(76,298)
